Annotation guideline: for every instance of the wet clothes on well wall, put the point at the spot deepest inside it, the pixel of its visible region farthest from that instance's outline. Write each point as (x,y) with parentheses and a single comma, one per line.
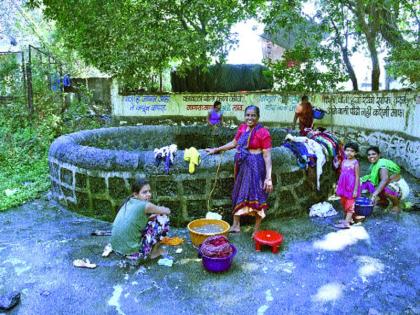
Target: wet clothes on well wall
(193,156)
(313,149)
(331,143)
(304,158)
(166,154)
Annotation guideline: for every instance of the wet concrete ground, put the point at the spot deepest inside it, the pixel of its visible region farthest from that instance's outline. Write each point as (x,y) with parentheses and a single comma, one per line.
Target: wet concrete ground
(372,268)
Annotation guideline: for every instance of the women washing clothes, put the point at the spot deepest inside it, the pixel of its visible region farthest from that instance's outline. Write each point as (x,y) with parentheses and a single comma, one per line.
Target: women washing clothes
(139,225)
(384,181)
(252,169)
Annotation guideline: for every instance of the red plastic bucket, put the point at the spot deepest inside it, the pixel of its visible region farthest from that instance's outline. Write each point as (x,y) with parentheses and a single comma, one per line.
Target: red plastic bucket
(213,264)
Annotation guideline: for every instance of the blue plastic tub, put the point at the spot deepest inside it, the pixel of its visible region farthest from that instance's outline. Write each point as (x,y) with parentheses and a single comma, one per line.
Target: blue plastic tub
(363,206)
(318,113)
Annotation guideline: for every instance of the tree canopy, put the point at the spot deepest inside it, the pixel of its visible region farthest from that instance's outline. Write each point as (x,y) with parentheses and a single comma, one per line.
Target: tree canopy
(346,26)
(135,39)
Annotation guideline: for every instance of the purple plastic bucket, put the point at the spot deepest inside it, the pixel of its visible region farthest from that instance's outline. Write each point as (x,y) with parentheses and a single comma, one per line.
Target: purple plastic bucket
(218,264)
(363,206)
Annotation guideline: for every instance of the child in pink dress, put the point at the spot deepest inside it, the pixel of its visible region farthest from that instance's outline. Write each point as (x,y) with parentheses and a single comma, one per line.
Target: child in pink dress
(348,186)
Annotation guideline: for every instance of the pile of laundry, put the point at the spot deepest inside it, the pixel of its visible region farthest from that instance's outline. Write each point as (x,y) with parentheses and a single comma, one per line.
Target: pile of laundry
(216,246)
(332,146)
(318,147)
(322,210)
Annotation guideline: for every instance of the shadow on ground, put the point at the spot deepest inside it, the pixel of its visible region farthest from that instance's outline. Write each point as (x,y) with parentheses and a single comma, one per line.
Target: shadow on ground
(370,269)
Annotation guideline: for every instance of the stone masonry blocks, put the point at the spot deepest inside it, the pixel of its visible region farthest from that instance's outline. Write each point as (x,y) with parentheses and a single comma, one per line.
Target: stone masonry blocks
(96,184)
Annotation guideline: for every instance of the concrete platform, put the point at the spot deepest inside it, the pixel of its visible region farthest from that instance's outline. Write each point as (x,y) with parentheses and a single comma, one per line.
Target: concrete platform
(369,269)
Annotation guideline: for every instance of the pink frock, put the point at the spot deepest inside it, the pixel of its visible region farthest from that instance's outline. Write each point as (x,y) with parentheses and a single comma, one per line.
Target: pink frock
(347,180)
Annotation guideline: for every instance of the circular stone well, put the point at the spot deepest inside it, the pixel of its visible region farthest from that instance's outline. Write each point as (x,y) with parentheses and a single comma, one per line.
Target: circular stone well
(91,172)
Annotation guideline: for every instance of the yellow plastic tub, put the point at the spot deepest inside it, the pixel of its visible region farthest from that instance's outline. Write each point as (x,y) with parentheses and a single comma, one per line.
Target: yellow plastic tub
(197,238)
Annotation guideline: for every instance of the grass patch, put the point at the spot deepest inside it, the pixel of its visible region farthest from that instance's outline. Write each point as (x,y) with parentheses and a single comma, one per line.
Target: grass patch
(24,182)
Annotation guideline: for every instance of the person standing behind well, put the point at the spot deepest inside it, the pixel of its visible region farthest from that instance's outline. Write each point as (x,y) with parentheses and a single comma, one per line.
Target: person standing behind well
(252,169)
(215,115)
(304,113)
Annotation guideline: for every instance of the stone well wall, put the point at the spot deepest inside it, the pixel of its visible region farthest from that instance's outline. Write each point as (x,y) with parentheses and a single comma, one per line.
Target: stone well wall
(94,181)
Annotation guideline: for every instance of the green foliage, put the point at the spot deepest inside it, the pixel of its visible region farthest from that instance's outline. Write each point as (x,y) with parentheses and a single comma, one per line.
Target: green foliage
(404,63)
(346,26)
(11,82)
(311,61)
(299,70)
(401,30)
(137,40)
(26,140)
(223,78)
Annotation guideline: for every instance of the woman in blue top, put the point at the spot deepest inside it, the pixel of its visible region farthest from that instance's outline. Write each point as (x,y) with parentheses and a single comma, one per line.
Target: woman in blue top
(140,225)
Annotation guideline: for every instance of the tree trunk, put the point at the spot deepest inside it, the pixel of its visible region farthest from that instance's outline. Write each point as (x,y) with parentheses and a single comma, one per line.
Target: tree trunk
(376,72)
(362,8)
(345,52)
(350,69)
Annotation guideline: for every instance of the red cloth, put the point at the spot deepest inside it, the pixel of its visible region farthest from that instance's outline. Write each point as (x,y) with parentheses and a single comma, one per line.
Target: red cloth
(260,140)
(216,246)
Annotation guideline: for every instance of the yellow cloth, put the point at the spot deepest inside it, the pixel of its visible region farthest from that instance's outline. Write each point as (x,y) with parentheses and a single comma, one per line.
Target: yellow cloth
(172,241)
(193,156)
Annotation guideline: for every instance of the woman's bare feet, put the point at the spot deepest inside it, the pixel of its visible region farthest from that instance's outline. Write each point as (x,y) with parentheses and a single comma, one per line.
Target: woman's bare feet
(235,229)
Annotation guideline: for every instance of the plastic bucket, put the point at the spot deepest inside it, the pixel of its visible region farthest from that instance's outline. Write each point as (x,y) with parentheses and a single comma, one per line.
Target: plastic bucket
(197,238)
(363,206)
(318,113)
(213,264)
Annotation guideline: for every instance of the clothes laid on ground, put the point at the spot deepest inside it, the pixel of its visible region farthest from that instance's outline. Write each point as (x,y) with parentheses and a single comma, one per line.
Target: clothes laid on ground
(101,233)
(83,263)
(346,184)
(216,246)
(166,154)
(322,209)
(172,241)
(248,195)
(193,156)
